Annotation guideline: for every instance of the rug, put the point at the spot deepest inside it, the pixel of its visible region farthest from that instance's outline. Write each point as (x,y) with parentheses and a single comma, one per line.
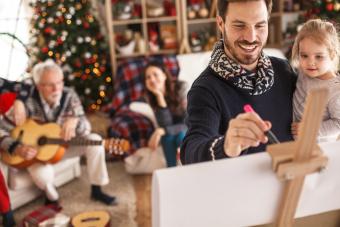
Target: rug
(75,197)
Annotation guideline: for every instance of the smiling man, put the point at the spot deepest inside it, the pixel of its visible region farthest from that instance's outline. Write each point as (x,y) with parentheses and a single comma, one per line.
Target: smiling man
(239,73)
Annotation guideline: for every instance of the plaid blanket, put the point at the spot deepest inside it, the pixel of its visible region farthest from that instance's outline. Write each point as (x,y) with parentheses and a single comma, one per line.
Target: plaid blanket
(128,88)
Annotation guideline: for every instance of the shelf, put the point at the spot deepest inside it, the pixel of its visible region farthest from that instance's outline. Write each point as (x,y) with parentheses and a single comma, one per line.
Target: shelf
(149,33)
(126,22)
(161,19)
(202,21)
(170,51)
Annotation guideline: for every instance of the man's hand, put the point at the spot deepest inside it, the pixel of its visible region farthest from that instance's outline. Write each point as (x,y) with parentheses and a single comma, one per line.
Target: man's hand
(26,152)
(156,138)
(68,129)
(246,130)
(19,113)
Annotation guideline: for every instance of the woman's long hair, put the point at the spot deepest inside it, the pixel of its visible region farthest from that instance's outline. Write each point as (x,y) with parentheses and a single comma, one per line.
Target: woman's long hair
(172,86)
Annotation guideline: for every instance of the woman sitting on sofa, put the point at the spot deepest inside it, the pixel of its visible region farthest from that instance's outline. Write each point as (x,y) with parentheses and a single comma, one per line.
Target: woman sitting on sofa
(167,98)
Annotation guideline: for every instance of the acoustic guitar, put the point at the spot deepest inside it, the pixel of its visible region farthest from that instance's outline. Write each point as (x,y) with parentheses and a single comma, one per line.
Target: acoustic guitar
(91,219)
(51,148)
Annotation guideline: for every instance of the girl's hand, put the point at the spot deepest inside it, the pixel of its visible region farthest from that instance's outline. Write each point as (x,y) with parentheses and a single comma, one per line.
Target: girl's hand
(19,112)
(155,91)
(295,129)
(155,138)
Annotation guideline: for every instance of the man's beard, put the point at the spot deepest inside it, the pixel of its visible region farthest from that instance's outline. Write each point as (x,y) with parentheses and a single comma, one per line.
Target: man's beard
(54,98)
(243,59)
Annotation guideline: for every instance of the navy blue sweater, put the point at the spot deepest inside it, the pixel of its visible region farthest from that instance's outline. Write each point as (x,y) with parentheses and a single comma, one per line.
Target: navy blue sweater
(213,101)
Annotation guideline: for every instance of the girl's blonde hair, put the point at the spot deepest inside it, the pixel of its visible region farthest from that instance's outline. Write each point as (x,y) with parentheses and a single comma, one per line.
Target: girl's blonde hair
(322,32)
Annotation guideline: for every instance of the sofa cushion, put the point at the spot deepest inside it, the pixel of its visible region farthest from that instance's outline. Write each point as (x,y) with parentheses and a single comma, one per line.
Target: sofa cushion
(20,178)
(192,65)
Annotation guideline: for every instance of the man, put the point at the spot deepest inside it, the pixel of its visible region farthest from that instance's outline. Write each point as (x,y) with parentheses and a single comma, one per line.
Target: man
(239,73)
(50,101)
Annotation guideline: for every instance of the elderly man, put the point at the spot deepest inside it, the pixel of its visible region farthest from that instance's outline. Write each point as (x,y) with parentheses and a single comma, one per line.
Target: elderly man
(50,101)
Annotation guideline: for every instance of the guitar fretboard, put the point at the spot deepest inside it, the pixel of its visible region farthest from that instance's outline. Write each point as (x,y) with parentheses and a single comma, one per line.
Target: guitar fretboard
(73,142)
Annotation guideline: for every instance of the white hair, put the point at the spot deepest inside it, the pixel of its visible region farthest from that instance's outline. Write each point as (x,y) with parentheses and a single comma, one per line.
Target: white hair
(42,67)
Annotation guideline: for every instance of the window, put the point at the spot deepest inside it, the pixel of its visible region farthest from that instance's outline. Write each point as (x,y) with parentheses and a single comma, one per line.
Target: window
(15,16)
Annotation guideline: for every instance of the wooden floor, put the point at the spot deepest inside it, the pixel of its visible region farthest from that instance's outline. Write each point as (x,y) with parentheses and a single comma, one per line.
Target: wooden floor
(142,186)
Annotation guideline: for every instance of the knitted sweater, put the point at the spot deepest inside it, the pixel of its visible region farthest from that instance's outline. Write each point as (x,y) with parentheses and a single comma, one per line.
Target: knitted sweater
(213,102)
(330,126)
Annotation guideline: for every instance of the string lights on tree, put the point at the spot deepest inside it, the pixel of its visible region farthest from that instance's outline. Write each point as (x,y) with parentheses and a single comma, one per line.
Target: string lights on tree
(68,32)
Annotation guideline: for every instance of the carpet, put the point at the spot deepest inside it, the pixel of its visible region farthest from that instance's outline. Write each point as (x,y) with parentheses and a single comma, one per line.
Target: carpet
(75,197)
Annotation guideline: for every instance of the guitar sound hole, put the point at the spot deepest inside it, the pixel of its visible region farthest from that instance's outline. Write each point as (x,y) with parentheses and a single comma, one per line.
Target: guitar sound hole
(90,219)
(42,140)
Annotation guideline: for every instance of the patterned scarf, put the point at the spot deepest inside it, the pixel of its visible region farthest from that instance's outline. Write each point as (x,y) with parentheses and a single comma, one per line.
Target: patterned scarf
(255,83)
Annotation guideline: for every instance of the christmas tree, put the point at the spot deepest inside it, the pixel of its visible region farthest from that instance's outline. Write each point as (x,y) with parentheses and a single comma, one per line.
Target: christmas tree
(324,9)
(67,32)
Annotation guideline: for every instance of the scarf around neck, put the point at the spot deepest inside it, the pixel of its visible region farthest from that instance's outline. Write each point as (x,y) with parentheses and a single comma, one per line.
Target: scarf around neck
(254,83)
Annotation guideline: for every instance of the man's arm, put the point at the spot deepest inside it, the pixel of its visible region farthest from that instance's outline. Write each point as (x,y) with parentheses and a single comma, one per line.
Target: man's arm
(76,122)
(206,141)
(203,123)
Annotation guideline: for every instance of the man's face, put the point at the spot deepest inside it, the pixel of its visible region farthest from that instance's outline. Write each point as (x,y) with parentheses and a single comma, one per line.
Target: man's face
(245,31)
(51,85)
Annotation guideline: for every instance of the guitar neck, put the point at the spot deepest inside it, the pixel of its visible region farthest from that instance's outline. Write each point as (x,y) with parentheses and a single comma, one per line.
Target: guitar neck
(74,142)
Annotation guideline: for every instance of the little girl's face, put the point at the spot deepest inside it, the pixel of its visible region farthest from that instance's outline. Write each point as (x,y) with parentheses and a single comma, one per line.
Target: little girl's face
(315,60)
(155,79)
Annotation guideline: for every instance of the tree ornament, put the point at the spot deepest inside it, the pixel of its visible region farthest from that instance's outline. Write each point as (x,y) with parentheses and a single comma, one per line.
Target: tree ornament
(87,55)
(86,25)
(51,44)
(73,49)
(48,30)
(87,39)
(71,10)
(78,6)
(337,6)
(80,39)
(330,6)
(44,50)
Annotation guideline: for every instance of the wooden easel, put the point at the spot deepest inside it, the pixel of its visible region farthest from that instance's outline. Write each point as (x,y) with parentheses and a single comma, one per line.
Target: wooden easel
(292,161)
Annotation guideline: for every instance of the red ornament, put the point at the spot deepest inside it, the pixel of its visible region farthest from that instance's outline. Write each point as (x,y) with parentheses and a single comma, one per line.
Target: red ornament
(77,64)
(102,69)
(48,30)
(59,41)
(86,25)
(330,6)
(44,50)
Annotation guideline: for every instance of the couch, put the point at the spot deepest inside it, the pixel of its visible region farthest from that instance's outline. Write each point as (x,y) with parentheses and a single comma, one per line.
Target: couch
(22,189)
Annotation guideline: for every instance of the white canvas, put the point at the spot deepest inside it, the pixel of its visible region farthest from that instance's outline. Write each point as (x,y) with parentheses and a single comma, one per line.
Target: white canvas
(241,191)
